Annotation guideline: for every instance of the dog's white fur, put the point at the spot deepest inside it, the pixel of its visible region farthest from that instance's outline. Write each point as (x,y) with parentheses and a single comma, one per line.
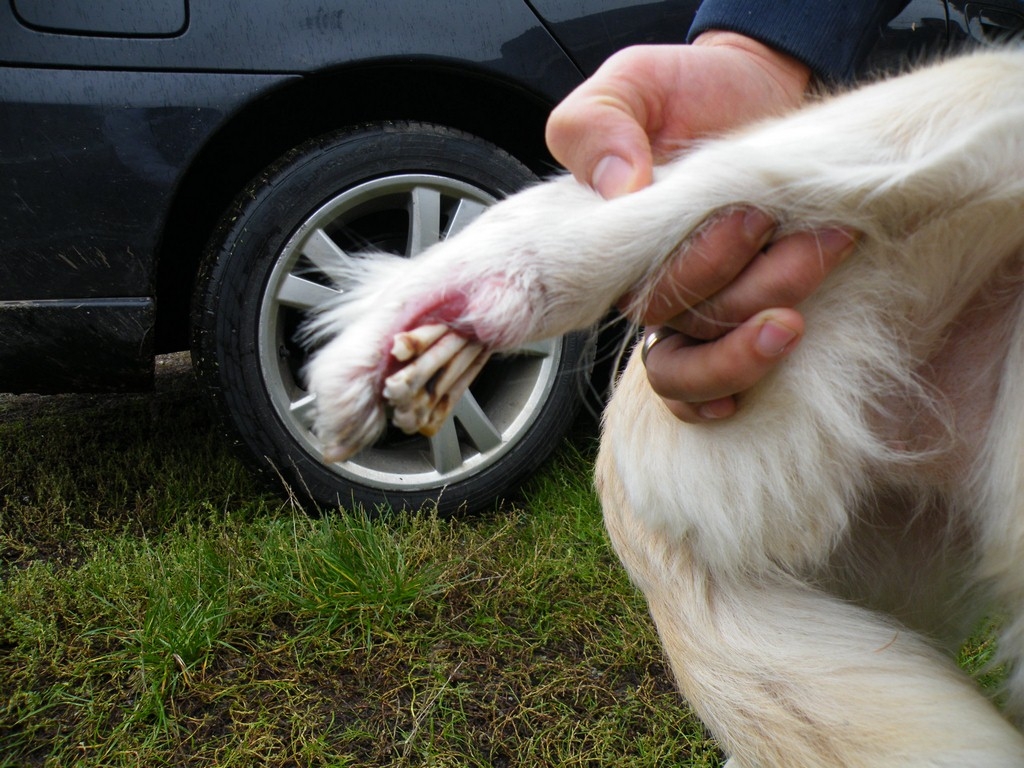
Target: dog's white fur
(809,562)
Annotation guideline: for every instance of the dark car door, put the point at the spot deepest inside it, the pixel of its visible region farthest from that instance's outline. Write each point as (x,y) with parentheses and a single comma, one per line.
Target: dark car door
(592,30)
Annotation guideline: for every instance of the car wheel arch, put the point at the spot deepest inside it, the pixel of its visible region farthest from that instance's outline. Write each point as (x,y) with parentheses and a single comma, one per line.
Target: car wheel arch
(255,137)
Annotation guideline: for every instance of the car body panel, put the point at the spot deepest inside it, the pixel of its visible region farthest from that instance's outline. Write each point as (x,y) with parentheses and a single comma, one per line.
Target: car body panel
(83,195)
(592,30)
(307,36)
(72,340)
(156,18)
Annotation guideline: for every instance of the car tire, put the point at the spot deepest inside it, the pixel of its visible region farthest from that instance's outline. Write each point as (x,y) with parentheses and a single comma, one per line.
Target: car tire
(393,187)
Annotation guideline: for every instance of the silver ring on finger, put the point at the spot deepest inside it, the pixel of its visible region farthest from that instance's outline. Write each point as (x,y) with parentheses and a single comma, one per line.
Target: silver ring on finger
(652,337)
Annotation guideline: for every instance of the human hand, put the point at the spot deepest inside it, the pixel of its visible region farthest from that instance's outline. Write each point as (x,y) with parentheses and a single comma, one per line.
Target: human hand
(719,346)
(730,295)
(647,103)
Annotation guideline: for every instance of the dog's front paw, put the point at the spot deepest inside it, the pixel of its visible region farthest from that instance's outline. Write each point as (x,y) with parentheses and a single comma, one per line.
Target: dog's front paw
(417,379)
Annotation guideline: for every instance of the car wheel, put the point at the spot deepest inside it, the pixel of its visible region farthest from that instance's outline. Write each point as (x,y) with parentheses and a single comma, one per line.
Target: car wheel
(398,188)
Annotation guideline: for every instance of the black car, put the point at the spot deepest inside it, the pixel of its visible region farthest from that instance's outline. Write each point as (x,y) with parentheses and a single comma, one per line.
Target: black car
(180,174)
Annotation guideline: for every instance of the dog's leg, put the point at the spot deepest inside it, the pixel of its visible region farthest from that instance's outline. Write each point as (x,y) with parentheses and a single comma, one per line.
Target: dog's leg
(999,484)
(729,529)
(783,673)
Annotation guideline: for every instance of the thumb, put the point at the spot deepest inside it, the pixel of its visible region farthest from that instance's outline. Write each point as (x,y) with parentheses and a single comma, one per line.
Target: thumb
(601,144)
(614,176)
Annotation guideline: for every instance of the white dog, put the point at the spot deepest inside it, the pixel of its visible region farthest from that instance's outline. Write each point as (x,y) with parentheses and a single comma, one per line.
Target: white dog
(809,562)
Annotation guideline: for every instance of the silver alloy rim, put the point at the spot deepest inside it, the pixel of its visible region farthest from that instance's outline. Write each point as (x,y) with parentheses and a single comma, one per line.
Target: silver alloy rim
(486,424)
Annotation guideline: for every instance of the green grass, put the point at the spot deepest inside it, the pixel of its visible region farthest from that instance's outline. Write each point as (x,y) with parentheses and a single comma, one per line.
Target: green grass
(158,608)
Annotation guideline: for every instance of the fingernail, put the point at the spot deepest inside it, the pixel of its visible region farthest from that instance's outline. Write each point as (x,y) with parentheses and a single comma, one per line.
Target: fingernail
(612,177)
(758,226)
(717,409)
(774,338)
(838,241)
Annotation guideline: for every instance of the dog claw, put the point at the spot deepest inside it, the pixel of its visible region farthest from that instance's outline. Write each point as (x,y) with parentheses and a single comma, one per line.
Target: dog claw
(449,398)
(425,391)
(414,343)
(419,371)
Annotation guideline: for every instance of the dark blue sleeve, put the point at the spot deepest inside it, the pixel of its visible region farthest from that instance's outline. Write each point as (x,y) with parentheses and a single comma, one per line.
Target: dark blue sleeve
(832,37)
